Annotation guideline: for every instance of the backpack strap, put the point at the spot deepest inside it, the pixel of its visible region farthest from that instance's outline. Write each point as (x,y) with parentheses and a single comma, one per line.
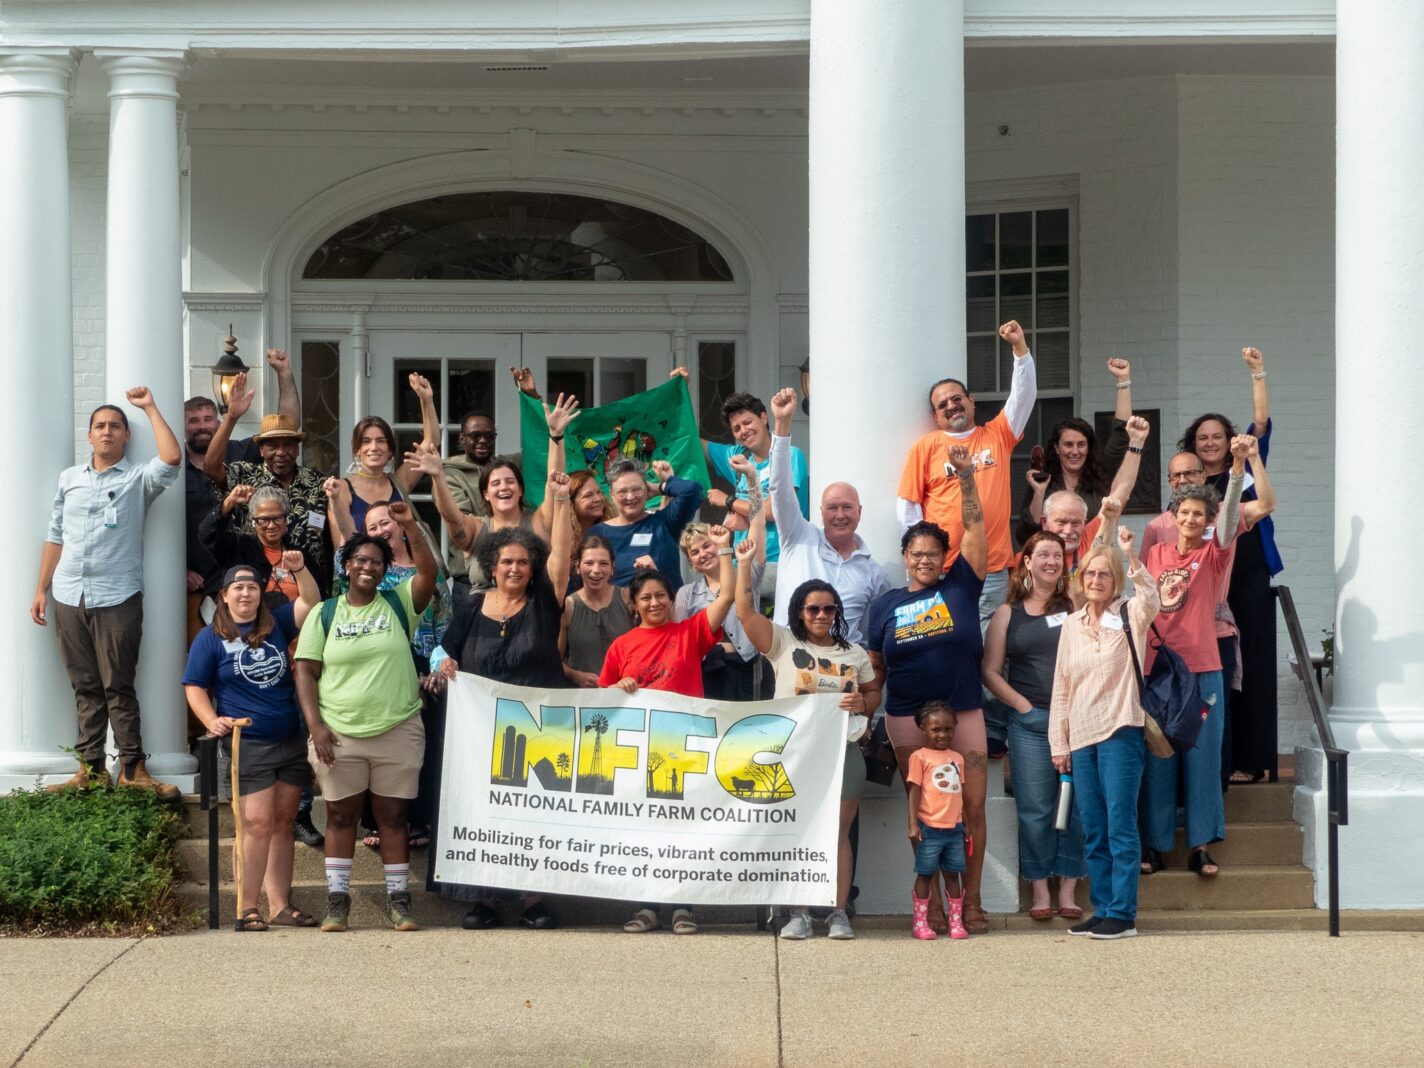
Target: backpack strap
(393,599)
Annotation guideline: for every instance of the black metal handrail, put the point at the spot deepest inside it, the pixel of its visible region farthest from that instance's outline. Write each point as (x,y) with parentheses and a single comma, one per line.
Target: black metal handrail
(1337,776)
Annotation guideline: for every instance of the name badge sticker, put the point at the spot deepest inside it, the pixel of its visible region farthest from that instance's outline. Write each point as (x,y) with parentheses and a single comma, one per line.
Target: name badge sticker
(1112,621)
(233,646)
(641,540)
(1056,620)
(316,520)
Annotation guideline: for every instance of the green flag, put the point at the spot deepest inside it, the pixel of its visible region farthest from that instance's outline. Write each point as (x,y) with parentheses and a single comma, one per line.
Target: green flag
(654,425)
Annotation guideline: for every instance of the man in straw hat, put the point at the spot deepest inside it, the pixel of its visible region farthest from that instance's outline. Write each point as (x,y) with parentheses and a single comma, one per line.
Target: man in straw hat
(277,442)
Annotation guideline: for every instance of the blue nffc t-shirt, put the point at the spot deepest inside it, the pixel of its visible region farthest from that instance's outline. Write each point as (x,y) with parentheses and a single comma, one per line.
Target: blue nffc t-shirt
(931,642)
(719,455)
(250,682)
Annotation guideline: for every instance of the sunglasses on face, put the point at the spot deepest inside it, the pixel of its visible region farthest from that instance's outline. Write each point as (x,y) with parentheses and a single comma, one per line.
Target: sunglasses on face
(819,609)
(479,435)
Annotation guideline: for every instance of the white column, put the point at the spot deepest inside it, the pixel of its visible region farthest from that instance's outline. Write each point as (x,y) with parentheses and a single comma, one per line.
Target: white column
(1378,709)
(37,393)
(887,239)
(144,341)
(887,307)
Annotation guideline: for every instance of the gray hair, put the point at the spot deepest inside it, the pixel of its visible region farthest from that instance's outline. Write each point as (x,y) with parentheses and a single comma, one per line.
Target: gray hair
(1063,496)
(624,467)
(266,494)
(1206,494)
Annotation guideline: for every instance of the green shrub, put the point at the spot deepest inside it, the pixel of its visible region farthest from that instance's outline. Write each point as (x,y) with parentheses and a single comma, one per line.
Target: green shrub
(81,858)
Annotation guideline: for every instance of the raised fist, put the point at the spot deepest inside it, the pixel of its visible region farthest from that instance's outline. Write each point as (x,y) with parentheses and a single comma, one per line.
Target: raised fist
(401,513)
(278,360)
(1137,430)
(783,403)
(140,397)
(959,457)
(719,535)
(422,387)
(238,495)
(1119,368)
(1013,334)
(1125,539)
(293,560)
(1254,360)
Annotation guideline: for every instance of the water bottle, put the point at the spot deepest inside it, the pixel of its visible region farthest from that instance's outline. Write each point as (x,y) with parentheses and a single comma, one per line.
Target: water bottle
(1064,811)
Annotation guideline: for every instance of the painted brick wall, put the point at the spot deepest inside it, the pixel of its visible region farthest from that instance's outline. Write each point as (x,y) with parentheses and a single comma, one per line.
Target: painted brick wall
(1257,263)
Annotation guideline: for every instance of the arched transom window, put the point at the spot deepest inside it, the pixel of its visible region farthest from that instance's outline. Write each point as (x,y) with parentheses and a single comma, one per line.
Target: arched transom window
(504,236)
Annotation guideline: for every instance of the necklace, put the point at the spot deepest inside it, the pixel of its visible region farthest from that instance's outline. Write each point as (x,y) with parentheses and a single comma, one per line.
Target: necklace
(509,613)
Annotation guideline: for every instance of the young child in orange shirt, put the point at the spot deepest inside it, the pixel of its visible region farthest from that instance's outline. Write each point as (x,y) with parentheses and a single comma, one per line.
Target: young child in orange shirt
(936,776)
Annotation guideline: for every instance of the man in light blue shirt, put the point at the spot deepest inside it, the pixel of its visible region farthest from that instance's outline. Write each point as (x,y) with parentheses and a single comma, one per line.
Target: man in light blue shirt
(92,566)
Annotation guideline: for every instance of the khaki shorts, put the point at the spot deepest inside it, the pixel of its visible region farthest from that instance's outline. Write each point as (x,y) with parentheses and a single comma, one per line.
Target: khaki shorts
(387,764)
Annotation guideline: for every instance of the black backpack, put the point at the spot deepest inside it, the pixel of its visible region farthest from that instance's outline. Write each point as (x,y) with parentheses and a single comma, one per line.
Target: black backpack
(1170,695)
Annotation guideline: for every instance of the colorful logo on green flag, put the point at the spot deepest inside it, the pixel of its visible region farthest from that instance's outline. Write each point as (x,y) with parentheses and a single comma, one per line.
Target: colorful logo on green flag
(658,424)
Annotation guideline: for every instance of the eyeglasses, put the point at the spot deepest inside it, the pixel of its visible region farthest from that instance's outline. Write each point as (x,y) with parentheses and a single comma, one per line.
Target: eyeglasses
(367,563)
(949,402)
(922,557)
(269,520)
(1182,476)
(1098,575)
(819,609)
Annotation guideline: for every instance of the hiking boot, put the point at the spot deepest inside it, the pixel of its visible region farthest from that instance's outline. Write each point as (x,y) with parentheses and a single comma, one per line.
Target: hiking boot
(304,831)
(139,778)
(338,910)
(798,927)
(838,925)
(398,912)
(88,775)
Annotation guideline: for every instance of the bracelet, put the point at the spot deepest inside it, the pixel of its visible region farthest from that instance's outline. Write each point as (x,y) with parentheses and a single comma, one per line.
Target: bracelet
(563,498)
(724,552)
(1135,448)
(1126,383)
(1259,376)
(967,473)
(298,571)
(556,437)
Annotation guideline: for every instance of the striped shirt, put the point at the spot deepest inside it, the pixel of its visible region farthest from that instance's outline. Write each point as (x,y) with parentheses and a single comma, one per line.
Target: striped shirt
(1094,685)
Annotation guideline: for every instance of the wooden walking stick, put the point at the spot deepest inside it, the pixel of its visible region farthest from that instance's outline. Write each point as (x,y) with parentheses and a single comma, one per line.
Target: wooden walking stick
(237,726)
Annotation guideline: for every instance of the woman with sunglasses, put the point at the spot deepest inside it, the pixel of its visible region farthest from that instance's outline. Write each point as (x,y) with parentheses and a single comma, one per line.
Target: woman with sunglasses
(813,655)
(925,639)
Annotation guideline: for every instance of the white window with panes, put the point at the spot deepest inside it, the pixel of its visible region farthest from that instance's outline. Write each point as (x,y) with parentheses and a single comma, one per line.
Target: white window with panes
(1020,264)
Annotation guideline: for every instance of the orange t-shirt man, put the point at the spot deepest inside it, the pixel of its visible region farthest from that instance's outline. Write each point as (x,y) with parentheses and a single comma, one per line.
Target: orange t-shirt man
(929,488)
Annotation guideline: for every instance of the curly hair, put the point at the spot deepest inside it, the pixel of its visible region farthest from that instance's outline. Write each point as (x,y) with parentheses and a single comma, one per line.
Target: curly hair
(741,402)
(1206,494)
(924,529)
(1189,436)
(1021,583)
(488,548)
(1093,481)
(797,625)
(360,538)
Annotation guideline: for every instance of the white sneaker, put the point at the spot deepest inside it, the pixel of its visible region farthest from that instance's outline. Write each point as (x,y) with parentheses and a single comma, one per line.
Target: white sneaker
(799,926)
(838,925)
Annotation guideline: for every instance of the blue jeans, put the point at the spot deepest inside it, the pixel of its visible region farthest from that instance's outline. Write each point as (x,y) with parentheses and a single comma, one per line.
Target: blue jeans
(1201,779)
(940,849)
(996,715)
(1106,778)
(1043,851)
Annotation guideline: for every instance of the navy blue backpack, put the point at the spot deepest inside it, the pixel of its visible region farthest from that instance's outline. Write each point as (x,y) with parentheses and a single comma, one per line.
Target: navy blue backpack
(1170,695)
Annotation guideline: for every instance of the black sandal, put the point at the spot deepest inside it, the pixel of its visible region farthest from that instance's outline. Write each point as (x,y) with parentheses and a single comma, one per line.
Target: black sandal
(252,921)
(1152,862)
(1199,860)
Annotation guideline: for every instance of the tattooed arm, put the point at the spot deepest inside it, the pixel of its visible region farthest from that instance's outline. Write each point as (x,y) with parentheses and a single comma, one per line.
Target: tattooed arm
(975,546)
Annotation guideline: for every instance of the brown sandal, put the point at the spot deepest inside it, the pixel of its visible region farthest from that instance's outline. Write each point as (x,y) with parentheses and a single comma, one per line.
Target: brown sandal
(976,921)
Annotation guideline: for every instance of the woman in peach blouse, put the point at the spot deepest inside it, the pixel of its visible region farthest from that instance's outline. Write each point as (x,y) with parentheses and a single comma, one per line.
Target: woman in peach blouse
(1095,727)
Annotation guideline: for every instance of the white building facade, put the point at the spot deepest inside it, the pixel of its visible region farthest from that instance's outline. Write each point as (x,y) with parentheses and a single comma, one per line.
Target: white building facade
(761,183)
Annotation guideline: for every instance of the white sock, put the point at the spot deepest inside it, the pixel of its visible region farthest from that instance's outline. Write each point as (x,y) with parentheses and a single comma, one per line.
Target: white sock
(338,875)
(397,875)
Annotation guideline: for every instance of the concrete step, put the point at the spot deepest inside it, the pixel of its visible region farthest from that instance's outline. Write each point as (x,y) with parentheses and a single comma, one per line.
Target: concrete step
(1260,886)
(1154,921)
(309,865)
(1260,802)
(1274,842)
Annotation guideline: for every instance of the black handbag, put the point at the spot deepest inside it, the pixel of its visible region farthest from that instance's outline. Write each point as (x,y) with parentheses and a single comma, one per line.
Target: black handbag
(880,763)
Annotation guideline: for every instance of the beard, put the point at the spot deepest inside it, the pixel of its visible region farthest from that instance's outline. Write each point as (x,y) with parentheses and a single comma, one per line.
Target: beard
(199,441)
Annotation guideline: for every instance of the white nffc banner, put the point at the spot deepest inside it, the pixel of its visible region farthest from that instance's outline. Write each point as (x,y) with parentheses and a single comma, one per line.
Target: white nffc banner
(647,797)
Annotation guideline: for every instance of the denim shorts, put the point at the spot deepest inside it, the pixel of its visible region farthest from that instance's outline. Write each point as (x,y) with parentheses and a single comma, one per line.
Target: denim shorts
(940,849)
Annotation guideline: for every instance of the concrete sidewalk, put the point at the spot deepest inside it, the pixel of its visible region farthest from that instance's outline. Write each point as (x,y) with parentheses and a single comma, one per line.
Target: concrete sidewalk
(728,996)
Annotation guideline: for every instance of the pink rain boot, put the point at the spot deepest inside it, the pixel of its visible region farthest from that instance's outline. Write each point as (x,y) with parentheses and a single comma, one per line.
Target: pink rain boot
(920,928)
(956,917)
